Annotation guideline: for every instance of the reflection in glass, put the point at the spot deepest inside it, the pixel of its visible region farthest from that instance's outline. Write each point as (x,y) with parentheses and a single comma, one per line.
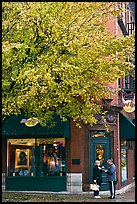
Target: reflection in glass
(100,154)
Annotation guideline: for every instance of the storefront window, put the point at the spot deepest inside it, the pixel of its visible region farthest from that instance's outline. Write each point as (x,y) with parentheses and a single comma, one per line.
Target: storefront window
(52,157)
(36,157)
(123,160)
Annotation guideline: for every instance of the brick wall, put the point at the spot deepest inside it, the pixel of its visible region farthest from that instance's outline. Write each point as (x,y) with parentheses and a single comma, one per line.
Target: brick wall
(75,149)
(131,162)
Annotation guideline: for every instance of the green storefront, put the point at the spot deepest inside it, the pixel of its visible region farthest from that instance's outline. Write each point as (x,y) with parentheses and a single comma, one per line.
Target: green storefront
(36,156)
(127,128)
(127,145)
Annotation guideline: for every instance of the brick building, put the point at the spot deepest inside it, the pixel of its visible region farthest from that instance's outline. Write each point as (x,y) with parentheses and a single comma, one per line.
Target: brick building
(74,149)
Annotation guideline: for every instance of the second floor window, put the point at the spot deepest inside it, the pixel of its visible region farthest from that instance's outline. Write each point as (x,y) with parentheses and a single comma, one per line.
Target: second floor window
(127,83)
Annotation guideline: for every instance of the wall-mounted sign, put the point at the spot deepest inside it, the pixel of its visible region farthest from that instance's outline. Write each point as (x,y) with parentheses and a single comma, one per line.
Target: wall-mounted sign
(129,106)
(30,122)
(98,134)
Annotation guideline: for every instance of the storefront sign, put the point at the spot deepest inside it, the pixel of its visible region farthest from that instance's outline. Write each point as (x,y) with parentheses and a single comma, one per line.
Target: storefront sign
(99,134)
(129,106)
(30,122)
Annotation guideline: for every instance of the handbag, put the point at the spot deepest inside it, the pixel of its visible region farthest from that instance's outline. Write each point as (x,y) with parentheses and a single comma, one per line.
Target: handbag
(94,187)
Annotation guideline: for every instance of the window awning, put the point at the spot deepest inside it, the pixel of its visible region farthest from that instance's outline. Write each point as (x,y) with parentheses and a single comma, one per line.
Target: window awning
(13,128)
(127,128)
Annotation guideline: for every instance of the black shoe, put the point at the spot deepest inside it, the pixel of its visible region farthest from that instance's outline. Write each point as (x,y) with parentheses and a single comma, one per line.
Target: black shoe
(111,197)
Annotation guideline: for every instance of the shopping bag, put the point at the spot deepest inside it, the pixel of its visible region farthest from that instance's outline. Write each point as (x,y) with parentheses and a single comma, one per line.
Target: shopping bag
(94,187)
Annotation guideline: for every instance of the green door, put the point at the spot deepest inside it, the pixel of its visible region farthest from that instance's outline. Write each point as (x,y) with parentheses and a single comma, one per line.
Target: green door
(99,150)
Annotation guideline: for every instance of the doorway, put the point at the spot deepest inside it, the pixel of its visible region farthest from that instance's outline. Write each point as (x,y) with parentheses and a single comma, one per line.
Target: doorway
(99,150)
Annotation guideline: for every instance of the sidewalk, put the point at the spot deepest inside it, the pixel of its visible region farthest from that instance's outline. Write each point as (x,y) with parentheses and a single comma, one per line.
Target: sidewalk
(128,196)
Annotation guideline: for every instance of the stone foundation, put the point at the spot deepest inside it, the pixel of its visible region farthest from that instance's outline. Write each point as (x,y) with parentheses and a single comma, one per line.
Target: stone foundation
(74,182)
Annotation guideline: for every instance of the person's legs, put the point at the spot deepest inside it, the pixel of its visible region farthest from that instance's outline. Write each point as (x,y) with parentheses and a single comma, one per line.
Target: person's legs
(114,189)
(96,193)
(110,188)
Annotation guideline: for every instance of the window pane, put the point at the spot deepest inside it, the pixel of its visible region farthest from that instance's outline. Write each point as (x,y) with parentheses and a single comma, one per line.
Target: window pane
(20,154)
(123,161)
(52,160)
(100,154)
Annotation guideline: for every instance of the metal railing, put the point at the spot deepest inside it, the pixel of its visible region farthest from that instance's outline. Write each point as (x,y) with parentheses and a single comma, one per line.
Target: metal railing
(130,28)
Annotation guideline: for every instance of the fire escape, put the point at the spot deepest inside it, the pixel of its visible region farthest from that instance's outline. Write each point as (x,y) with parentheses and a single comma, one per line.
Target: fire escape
(127,84)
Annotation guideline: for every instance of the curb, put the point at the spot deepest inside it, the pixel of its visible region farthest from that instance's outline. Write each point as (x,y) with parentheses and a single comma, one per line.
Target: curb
(123,190)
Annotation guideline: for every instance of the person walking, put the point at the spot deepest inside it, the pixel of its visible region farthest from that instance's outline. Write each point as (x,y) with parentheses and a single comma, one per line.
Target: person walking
(97,177)
(111,177)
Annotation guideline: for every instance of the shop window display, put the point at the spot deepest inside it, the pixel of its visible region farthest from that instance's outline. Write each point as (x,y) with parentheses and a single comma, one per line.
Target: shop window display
(123,160)
(36,157)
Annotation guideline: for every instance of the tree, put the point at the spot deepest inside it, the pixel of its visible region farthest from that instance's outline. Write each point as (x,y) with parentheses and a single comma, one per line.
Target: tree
(58,57)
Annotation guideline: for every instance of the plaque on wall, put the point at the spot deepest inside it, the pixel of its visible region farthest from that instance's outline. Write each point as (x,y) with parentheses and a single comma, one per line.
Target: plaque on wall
(76,161)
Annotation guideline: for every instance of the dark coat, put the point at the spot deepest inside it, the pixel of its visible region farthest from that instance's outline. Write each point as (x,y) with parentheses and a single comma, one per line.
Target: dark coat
(97,175)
